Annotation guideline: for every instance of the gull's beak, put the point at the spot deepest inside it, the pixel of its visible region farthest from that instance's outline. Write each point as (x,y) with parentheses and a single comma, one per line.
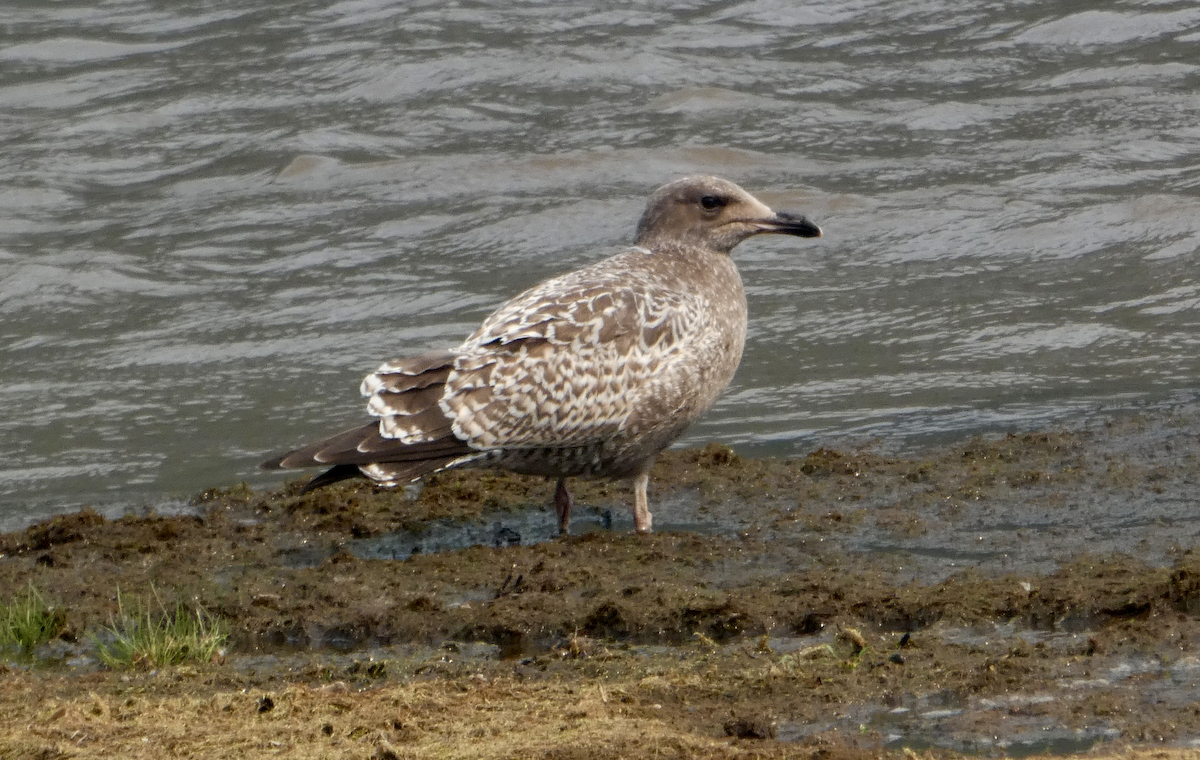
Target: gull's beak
(784,223)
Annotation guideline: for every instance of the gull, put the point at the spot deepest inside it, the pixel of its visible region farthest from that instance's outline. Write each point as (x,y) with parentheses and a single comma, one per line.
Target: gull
(589,374)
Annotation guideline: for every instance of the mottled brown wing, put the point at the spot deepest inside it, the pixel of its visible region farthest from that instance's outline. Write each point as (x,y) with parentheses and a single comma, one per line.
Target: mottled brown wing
(565,364)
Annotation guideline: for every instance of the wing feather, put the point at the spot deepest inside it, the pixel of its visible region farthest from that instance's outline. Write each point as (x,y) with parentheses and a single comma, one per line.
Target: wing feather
(363,445)
(566,363)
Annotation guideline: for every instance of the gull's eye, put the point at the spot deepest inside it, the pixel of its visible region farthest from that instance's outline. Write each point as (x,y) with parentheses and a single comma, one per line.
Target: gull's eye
(710,202)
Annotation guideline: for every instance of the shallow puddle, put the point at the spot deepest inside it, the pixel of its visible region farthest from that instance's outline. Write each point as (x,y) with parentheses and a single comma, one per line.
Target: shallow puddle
(534,526)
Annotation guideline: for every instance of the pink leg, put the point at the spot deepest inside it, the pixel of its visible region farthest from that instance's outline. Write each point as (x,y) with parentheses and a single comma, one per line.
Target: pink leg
(563,501)
(641,506)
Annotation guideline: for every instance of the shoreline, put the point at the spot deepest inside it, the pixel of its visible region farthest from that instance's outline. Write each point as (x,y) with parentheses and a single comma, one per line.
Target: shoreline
(1020,594)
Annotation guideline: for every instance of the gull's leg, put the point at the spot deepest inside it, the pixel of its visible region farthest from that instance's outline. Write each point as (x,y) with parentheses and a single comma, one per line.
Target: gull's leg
(563,501)
(641,507)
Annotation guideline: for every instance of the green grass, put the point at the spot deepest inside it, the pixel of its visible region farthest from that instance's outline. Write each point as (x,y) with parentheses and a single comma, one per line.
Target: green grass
(150,638)
(28,622)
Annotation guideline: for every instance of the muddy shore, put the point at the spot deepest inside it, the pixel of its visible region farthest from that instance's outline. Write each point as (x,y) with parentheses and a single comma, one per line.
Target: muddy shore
(1030,593)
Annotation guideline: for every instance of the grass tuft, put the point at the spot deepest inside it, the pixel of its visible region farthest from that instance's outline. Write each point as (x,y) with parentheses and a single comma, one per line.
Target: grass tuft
(27,623)
(155,638)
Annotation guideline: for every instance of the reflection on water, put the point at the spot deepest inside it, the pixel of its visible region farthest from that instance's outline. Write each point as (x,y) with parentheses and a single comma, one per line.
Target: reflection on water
(217,218)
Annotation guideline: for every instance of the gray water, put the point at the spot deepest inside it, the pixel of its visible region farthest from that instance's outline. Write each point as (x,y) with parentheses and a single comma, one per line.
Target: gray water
(216,217)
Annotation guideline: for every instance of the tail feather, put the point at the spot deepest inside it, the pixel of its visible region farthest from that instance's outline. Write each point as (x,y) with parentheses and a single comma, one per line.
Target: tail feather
(398,473)
(364,445)
(333,475)
(412,438)
(383,473)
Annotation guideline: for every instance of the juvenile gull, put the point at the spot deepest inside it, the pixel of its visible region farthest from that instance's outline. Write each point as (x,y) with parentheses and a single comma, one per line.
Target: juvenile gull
(591,373)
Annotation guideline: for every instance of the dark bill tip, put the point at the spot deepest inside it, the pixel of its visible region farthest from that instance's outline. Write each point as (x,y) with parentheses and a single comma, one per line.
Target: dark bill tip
(790,224)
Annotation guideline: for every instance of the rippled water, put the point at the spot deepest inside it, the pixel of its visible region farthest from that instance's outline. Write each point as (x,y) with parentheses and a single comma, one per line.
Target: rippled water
(216,217)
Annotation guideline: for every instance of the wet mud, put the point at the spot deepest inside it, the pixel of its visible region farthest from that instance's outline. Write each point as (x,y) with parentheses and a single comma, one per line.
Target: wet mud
(1023,594)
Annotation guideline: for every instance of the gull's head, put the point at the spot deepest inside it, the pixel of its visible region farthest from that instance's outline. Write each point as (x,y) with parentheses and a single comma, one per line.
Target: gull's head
(712,213)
